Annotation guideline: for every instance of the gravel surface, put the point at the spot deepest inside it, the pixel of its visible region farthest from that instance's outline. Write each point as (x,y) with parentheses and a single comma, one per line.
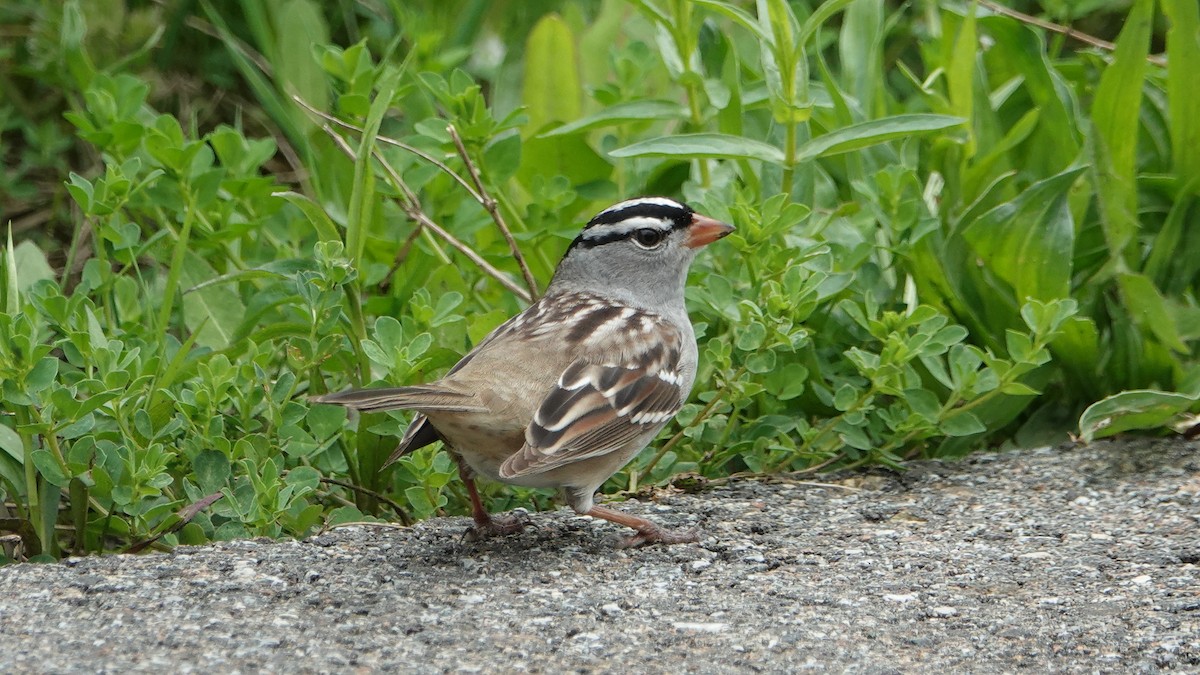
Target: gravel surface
(1059,560)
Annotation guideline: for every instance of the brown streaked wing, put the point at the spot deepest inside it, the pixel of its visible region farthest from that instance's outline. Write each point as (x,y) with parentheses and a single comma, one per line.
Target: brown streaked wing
(596,409)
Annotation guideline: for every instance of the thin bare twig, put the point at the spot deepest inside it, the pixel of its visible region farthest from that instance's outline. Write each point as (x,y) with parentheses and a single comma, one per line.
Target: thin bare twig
(492,207)
(400,510)
(1062,30)
(399,144)
(412,208)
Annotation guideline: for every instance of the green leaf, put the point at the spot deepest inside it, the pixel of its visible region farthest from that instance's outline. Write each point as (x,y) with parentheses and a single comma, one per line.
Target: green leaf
(760,363)
(215,311)
(960,73)
(362,193)
(325,229)
(41,375)
(621,113)
(1119,95)
(845,397)
(551,91)
(1028,242)
(740,16)
(212,470)
(31,265)
(49,468)
(1150,311)
(1183,52)
(12,298)
(787,382)
(304,477)
(1021,48)
(10,442)
(714,146)
(1136,409)
(1019,389)
(568,156)
(820,15)
(924,403)
(300,24)
(962,424)
(873,132)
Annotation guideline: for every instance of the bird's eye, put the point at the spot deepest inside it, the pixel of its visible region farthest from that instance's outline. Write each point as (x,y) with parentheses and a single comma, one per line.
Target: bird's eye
(648,237)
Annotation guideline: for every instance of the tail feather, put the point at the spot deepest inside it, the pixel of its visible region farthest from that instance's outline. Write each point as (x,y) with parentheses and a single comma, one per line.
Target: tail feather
(420,398)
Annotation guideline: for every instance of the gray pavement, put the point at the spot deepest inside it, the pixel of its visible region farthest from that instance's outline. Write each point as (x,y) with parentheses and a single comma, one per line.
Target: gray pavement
(1053,560)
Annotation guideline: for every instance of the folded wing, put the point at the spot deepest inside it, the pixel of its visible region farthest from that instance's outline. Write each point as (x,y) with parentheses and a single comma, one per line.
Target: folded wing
(598,408)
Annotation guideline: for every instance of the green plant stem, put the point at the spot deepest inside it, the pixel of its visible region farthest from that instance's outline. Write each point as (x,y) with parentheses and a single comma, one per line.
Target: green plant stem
(51,440)
(789,160)
(693,95)
(703,415)
(31,481)
(358,330)
(176,269)
(826,428)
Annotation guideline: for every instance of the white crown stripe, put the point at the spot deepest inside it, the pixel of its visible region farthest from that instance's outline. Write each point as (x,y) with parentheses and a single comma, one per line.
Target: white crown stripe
(627,226)
(655,201)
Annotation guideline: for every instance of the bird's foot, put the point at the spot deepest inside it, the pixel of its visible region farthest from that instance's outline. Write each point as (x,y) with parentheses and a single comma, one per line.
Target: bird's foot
(660,535)
(496,526)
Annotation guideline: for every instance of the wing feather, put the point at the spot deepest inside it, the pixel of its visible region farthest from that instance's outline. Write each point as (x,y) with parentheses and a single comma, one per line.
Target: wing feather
(597,408)
(424,398)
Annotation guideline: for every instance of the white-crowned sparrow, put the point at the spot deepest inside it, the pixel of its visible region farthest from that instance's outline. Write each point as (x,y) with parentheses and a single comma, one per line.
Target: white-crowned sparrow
(565,393)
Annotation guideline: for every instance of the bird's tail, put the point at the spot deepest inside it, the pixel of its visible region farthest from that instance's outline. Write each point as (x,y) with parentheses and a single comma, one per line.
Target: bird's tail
(424,398)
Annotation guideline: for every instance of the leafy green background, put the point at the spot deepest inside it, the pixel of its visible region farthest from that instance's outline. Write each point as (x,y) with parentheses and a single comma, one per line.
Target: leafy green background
(956,231)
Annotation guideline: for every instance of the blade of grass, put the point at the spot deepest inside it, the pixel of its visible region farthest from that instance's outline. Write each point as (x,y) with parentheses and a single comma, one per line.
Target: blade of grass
(1183,50)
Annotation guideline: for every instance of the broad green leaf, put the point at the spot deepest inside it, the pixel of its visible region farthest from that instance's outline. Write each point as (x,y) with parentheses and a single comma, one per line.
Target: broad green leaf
(1137,409)
(1119,94)
(569,156)
(10,442)
(960,72)
(740,16)
(1115,112)
(820,15)
(304,477)
(212,470)
(299,25)
(1028,242)
(860,48)
(41,375)
(873,132)
(326,230)
(31,265)
(48,467)
(551,90)
(1183,52)
(1022,49)
(924,403)
(708,146)
(629,111)
(962,424)
(215,311)
(1150,311)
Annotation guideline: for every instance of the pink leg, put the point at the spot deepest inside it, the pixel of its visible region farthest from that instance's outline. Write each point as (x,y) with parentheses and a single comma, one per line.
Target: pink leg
(648,531)
(486,525)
